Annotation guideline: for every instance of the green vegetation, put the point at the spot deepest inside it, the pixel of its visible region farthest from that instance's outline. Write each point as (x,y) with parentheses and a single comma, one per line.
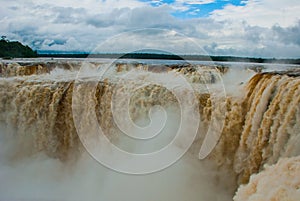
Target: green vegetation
(15,49)
(171,57)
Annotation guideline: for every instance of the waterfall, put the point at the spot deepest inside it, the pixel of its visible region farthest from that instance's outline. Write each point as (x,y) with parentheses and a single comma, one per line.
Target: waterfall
(260,126)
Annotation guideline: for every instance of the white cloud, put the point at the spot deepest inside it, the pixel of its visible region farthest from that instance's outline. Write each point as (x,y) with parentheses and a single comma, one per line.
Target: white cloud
(185,5)
(196,2)
(265,13)
(195,12)
(260,28)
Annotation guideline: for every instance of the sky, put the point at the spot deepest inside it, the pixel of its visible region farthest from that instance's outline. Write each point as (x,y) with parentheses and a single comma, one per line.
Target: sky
(253,28)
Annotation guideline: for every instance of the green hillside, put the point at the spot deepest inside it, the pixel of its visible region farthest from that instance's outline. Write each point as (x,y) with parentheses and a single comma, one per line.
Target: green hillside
(15,49)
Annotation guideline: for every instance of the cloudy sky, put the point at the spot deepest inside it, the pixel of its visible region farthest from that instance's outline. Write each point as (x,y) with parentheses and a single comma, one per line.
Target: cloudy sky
(260,28)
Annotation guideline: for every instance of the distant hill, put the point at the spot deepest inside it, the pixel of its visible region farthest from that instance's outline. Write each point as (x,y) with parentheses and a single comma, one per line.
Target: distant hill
(15,49)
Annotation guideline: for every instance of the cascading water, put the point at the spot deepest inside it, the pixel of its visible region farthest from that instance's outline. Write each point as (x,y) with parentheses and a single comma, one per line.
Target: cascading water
(260,125)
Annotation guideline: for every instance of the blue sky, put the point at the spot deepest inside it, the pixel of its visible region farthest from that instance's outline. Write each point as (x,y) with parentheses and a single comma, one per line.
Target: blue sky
(259,28)
(195,9)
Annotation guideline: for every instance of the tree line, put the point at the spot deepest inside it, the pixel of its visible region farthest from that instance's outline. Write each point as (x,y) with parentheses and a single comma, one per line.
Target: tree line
(15,49)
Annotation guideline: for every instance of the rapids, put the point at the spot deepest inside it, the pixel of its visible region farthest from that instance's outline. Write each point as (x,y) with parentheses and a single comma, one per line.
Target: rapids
(253,117)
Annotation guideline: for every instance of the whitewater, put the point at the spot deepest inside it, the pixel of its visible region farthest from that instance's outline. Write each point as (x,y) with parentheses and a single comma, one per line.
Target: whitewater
(245,117)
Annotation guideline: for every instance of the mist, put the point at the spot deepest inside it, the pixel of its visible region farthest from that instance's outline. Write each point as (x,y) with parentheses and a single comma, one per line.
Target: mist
(40,177)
